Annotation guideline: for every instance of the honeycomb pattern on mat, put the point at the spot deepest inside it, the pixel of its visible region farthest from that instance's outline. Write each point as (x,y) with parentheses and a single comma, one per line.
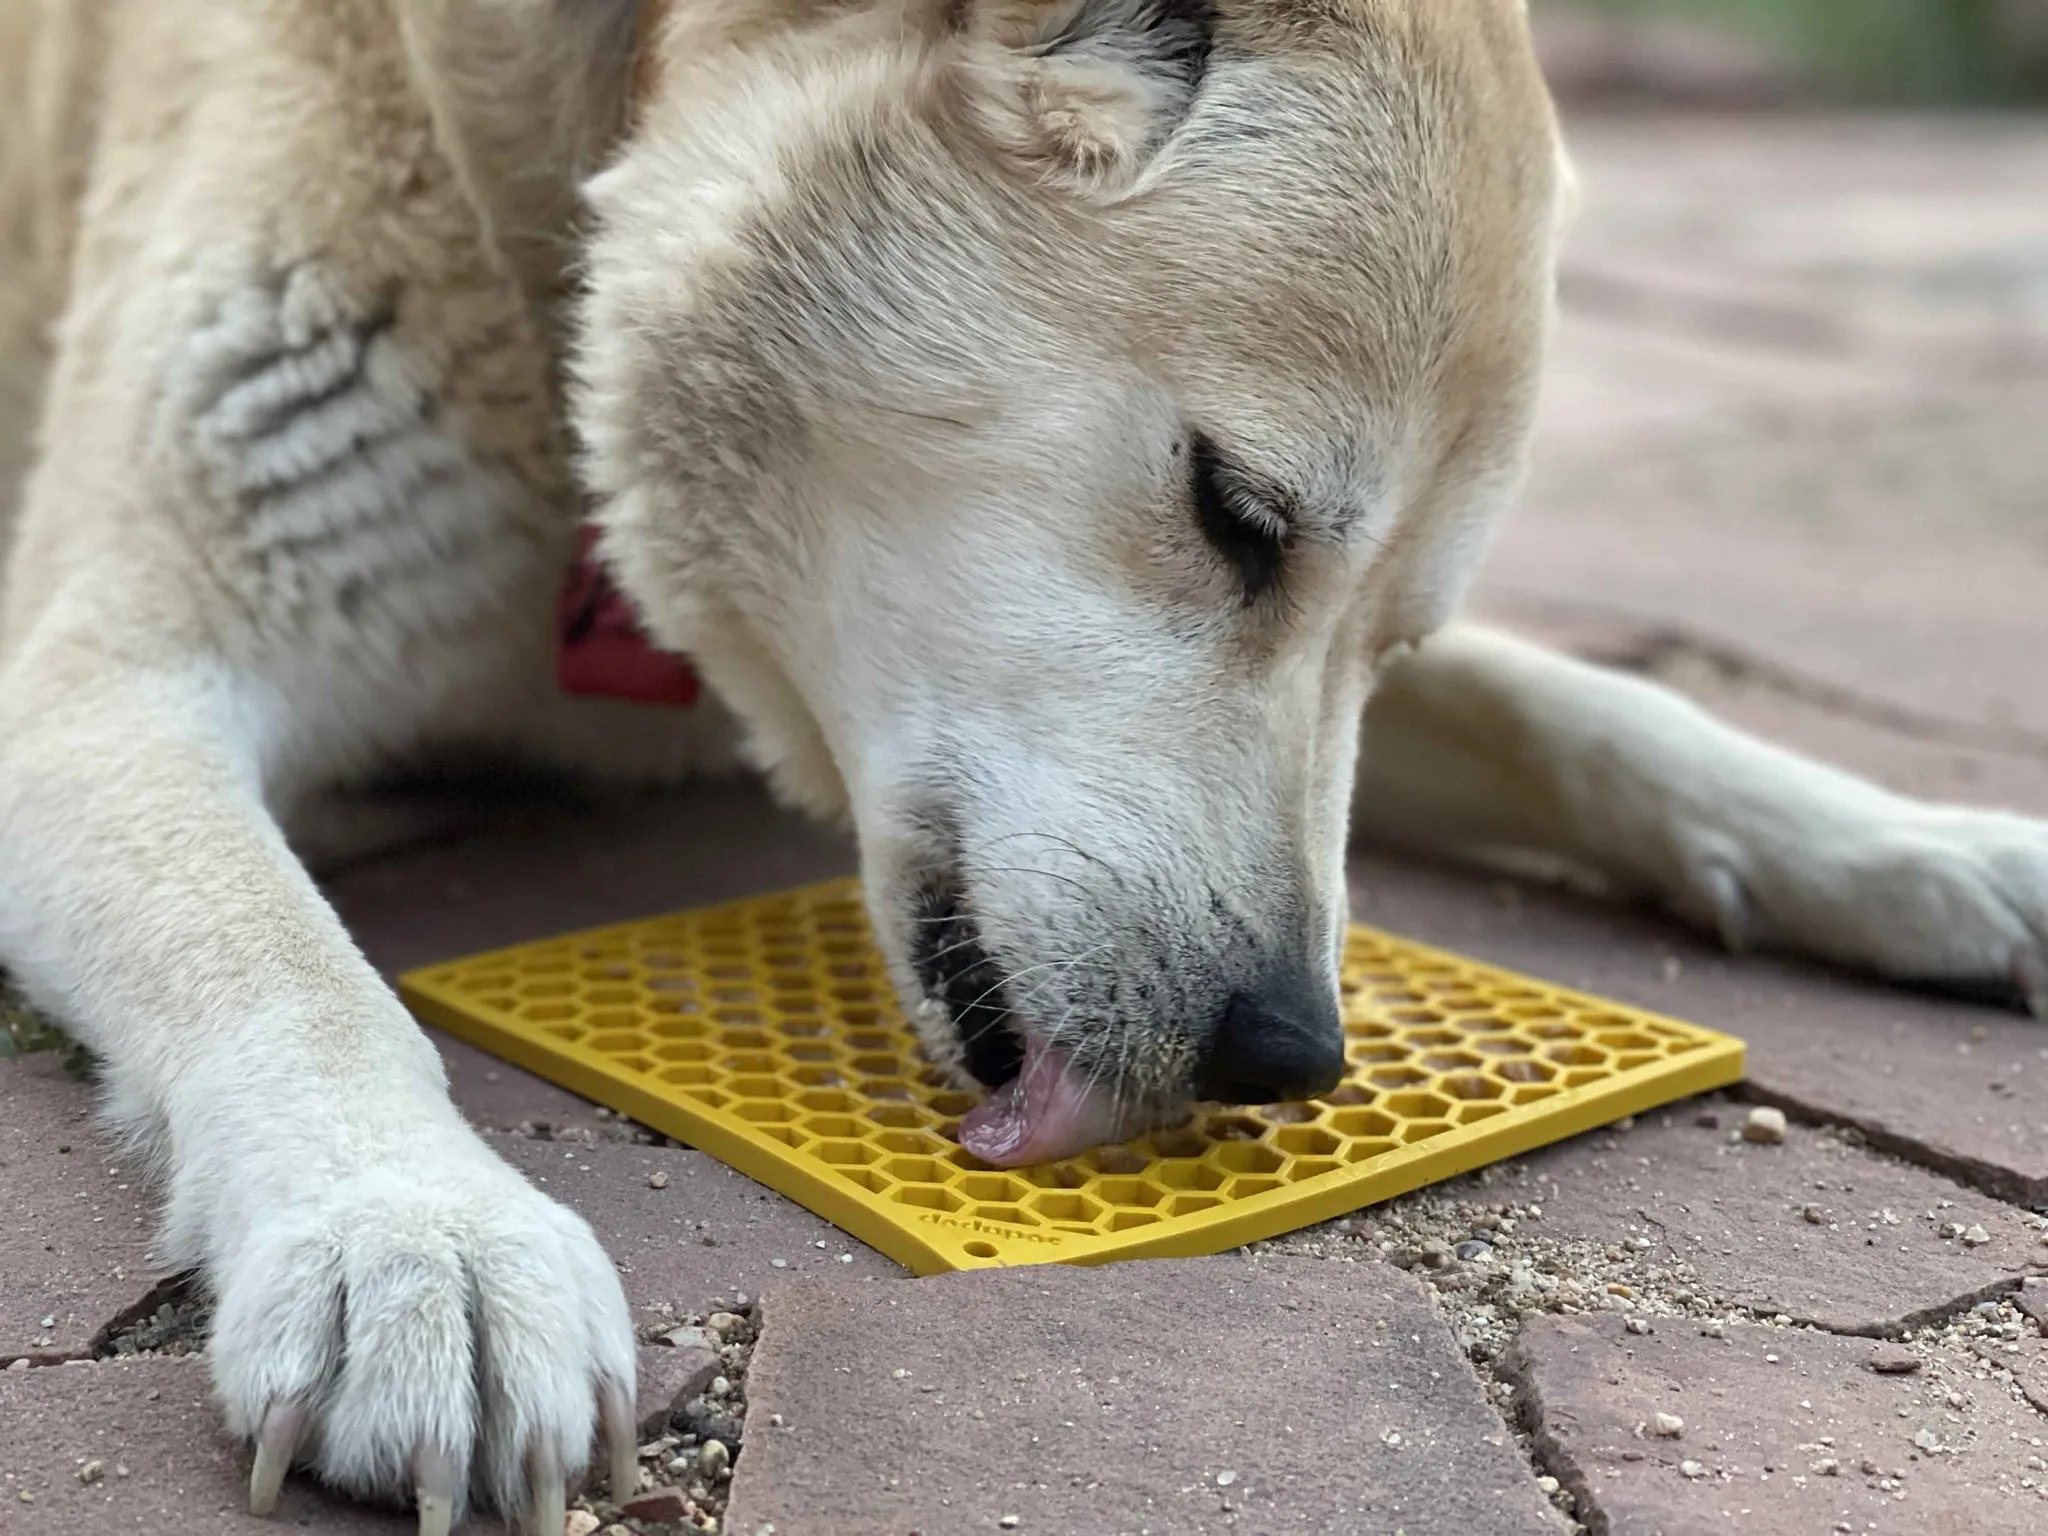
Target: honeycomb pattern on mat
(775,1017)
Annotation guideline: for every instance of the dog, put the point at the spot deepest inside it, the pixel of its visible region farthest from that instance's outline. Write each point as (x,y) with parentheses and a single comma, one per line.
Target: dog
(1045,425)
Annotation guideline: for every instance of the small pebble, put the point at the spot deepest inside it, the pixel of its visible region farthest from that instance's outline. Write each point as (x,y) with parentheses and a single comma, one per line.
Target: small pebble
(1637,1325)
(1473,1249)
(1827,1466)
(1008,1522)
(92,1471)
(1765,1125)
(713,1458)
(1816,1216)
(50,1321)
(1225,1479)
(581,1522)
(1668,1426)
(1894,1360)
(1548,1483)
(1691,1469)
(658,1179)
(1927,1440)
(1976,1237)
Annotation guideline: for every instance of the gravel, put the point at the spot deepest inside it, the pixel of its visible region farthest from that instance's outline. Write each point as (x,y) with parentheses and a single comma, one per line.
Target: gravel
(1765,1125)
(686,1471)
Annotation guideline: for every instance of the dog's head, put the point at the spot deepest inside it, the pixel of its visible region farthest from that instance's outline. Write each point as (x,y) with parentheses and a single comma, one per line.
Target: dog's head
(1038,418)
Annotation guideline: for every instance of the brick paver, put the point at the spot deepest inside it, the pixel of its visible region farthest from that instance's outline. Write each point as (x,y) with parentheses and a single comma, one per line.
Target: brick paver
(1177,1398)
(74,1244)
(1783,1431)
(1811,1229)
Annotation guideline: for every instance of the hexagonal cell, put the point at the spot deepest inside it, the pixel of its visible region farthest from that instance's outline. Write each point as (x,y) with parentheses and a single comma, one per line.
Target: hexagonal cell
(1366,1055)
(1287,1114)
(915,1143)
(1472,1085)
(1257,1184)
(1246,1157)
(1368,1148)
(1123,1221)
(869,1179)
(928,1196)
(919,1170)
(681,1050)
(1361,1122)
(1116,1160)
(1558,1029)
(1418,1106)
(834,1125)
(1183,1173)
(687,1073)
(1305,1141)
(710,1098)
(951,1102)
(1499,1047)
(1416,1016)
(1532,1093)
(874,1065)
(1396,1077)
(542,1013)
(1525,1071)
(1136,1192)
(904,1115)
(613,1018)
(1433,1037)
(1180,1141)
(1451,1061)
(805,1029)
(684,986)
(847,1153)
(992,1186)
(1625,1040)
(1232,1127)
(888,1090)
(1579,1077)
(547,991)
(1312,1167)
(1009,1215)
(788,1135)
(1422,1130)
(1472,1114)
(757,1087)
(614,1042)
(1187,1205)
(1065,1206)
(758,1062)
(569,1032)
(1345,1094)
(1577,1055)
(765,1111)
(744,1037)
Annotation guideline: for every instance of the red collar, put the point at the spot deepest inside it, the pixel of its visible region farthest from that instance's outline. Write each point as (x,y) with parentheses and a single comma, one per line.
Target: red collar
(601,651)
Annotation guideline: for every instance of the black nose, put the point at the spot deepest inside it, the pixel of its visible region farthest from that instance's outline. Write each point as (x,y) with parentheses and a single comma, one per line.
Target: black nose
(1275,1045)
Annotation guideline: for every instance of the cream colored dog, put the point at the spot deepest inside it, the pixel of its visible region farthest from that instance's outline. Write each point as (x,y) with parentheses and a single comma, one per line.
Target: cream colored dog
(1045,422)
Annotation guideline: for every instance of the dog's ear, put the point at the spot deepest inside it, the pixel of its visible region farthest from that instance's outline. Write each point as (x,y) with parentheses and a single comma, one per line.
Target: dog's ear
(1081,93)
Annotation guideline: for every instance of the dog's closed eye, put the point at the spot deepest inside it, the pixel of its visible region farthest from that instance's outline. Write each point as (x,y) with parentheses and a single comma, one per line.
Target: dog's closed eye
(1245,528)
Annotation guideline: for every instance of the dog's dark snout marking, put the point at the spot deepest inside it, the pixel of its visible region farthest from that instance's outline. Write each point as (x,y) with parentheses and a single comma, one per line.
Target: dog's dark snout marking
(1275,1043)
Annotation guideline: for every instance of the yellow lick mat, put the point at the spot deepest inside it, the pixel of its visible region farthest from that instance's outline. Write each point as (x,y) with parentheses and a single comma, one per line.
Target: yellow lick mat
(765,1033)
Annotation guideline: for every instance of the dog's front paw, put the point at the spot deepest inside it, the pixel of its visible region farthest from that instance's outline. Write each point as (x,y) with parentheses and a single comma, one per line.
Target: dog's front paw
(426,1327)
(1921,893)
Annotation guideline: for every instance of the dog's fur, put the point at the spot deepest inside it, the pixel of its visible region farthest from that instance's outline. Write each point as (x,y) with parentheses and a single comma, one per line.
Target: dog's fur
(891,332)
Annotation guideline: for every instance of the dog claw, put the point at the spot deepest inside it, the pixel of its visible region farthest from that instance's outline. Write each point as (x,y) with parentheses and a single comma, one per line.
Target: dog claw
(434,1475)
(550,1497)
(2030,971)
(621,1435)
(276,1443)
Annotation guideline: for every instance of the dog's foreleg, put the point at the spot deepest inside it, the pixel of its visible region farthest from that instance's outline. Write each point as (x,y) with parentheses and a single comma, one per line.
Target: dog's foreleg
(395,1304)
(1486,746)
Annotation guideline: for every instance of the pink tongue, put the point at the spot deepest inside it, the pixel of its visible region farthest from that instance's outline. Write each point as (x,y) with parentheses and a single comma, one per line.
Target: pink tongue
(1047,1112)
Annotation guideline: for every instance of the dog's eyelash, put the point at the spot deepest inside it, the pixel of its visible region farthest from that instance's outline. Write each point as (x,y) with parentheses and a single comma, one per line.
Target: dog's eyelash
(1250,536)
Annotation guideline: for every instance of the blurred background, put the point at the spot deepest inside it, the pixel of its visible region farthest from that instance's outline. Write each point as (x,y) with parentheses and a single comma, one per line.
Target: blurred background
(1793,455)
(1869,51)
